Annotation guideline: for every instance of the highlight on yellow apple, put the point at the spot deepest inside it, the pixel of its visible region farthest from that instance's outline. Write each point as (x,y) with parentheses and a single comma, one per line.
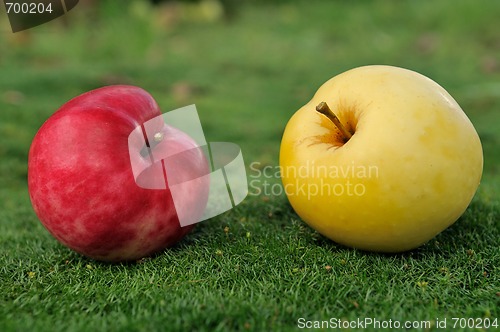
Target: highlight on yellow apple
(381,159)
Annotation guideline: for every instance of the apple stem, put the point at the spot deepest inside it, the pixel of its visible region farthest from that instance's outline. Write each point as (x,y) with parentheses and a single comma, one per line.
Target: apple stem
(158,137)
(326,111)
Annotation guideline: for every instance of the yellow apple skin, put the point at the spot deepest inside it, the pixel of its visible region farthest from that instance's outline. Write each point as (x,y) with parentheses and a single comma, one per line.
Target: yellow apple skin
(415,160)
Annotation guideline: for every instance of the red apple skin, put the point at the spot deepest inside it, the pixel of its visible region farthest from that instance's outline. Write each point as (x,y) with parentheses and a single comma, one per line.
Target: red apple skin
(81,183)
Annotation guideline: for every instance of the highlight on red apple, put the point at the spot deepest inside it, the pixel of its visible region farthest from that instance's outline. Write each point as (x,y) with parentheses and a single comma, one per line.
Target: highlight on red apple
(216,168)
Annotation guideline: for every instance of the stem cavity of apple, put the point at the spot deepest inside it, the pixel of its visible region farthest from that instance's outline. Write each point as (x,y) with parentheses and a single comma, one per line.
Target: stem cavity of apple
(324,109)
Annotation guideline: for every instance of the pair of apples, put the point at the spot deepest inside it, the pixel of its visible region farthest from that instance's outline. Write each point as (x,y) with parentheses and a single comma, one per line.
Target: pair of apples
(387,156)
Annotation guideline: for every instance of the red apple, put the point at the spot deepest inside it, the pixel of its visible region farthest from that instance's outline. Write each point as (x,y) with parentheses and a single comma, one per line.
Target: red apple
(82,185)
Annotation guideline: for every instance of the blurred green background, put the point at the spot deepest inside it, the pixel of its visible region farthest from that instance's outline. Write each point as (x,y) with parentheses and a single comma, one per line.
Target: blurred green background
(248,66)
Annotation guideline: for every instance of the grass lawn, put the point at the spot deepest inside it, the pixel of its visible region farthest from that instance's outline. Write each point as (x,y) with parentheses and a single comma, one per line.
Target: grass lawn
(257,267)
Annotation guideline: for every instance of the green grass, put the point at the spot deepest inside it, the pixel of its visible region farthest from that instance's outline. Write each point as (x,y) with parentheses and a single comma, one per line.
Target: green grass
(247,75)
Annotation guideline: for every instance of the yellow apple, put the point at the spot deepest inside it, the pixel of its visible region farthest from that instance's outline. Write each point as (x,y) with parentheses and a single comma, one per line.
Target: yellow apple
(409,170)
